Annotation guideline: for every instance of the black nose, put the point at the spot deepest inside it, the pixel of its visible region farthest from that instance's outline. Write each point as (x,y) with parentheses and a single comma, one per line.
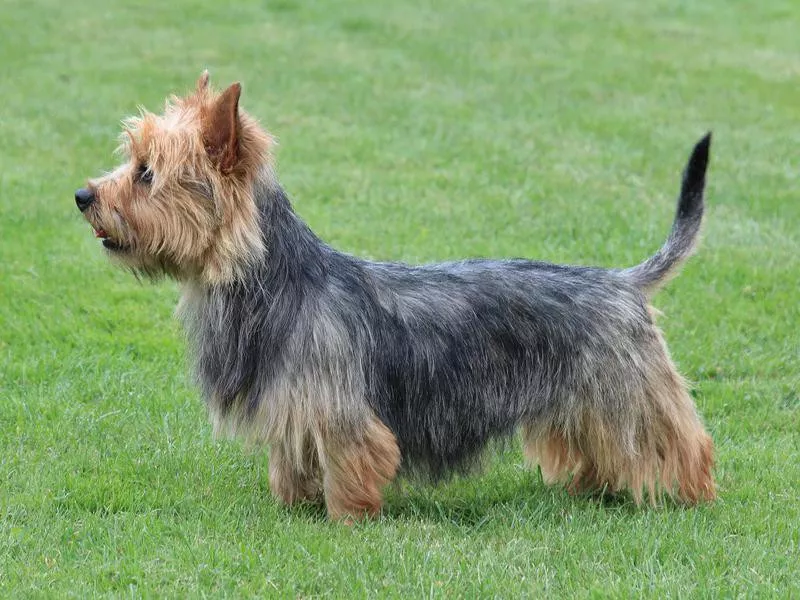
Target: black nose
(84,198)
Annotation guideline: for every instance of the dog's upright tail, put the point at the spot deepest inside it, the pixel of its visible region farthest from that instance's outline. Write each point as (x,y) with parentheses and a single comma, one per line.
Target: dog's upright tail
(682,240)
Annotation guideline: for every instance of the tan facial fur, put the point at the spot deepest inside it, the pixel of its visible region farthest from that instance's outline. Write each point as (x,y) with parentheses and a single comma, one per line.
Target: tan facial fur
(181,203)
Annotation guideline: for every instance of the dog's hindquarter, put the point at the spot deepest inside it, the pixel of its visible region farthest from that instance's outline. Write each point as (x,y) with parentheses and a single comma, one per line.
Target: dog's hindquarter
(466,352)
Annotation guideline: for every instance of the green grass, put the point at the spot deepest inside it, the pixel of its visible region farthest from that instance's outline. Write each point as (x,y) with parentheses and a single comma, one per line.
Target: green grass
(417,131)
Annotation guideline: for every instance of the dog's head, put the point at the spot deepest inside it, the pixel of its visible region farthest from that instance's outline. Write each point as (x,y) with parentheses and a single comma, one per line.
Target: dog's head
(181,202)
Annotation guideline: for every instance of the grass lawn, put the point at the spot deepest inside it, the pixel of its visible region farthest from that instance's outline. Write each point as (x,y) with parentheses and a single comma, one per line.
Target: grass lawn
(414,131)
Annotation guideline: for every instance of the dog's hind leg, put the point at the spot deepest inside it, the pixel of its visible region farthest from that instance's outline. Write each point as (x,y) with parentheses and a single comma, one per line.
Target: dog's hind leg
(569,459)
(684,451)
(658,446)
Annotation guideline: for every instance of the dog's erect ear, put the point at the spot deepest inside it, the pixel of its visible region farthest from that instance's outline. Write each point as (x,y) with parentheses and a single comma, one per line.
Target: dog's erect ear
(221,129)
(202,83)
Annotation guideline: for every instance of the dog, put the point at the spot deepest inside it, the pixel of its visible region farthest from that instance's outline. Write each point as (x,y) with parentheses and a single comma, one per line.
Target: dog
(355,372)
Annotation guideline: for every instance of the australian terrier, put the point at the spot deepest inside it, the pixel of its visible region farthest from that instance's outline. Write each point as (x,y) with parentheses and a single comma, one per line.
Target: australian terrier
(354,372)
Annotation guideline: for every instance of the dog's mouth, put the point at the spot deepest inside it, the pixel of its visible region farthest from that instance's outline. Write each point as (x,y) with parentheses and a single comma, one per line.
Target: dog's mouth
(108,243)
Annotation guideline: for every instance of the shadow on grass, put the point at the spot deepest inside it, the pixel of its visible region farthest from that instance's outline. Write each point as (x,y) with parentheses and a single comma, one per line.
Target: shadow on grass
(510,494)
(473,502)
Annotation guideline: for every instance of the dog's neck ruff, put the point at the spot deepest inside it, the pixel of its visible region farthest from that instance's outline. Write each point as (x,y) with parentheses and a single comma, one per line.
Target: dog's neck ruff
(239,328)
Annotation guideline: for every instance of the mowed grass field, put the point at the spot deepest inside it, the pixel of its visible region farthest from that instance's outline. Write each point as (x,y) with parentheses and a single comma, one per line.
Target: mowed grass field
(415,131)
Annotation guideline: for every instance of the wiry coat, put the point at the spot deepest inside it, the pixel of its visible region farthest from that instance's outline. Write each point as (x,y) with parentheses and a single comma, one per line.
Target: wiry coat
(351,370)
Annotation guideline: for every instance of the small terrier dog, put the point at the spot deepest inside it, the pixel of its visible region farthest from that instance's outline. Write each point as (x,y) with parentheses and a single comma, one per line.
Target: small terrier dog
(353,372)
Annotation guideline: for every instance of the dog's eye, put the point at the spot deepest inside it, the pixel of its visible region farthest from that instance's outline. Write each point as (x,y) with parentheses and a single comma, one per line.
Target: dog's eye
(144,174)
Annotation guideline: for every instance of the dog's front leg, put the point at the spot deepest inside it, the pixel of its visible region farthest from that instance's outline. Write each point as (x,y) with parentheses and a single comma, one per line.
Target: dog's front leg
(291,482)
(356,468)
